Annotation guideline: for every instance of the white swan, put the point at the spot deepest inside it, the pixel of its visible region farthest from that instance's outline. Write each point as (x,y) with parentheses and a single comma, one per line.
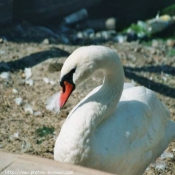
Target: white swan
(102,132)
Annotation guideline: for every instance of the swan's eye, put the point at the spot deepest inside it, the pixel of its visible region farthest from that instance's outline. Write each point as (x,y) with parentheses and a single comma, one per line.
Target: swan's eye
(68,77)
(73,70)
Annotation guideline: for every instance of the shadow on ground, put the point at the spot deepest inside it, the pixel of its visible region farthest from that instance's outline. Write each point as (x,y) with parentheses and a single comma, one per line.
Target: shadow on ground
(131,73)
(32,60)
(155,86)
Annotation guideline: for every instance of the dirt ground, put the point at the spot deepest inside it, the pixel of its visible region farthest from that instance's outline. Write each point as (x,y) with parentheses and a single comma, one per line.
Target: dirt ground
(29,128)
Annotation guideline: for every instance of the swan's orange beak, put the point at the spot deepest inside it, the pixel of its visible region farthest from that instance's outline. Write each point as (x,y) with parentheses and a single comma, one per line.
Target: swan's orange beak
(66,91)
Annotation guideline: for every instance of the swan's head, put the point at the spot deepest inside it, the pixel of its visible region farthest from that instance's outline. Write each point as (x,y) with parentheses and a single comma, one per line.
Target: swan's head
(78,67)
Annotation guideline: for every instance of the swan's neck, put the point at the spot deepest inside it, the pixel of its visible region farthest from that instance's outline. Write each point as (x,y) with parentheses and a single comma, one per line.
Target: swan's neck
(109,94)
(97,107)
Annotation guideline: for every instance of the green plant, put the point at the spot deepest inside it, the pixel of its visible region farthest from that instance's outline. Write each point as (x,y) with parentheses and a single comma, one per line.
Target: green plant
(44,131)
(170,10)
(171,52)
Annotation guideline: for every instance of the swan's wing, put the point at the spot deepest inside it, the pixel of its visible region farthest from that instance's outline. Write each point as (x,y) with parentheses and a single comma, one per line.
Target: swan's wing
(135,129)
(146,96)
(150,117)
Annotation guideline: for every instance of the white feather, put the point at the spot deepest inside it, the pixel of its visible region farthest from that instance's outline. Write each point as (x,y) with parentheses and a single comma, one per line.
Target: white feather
(52,103)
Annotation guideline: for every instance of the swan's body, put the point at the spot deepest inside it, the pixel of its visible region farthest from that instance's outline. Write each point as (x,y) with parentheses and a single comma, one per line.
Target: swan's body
(111,129)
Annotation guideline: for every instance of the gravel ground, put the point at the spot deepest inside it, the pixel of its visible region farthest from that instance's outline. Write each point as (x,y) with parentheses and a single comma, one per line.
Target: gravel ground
(25,124)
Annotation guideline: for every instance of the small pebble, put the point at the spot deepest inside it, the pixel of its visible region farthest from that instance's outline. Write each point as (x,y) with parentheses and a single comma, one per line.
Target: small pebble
(1,40)
(166,155)
(164,78)
(14,91)
(52,82)
(155,43)
(46,80)
(120,38)
(2,52)
(170,43)
(46,41)
(137,49)
(153,51)
(160,165)
(29,82)
(28,109)
(37,113)
(5,75)
(28,73)
(18,101)
(16,135)
(23,75)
